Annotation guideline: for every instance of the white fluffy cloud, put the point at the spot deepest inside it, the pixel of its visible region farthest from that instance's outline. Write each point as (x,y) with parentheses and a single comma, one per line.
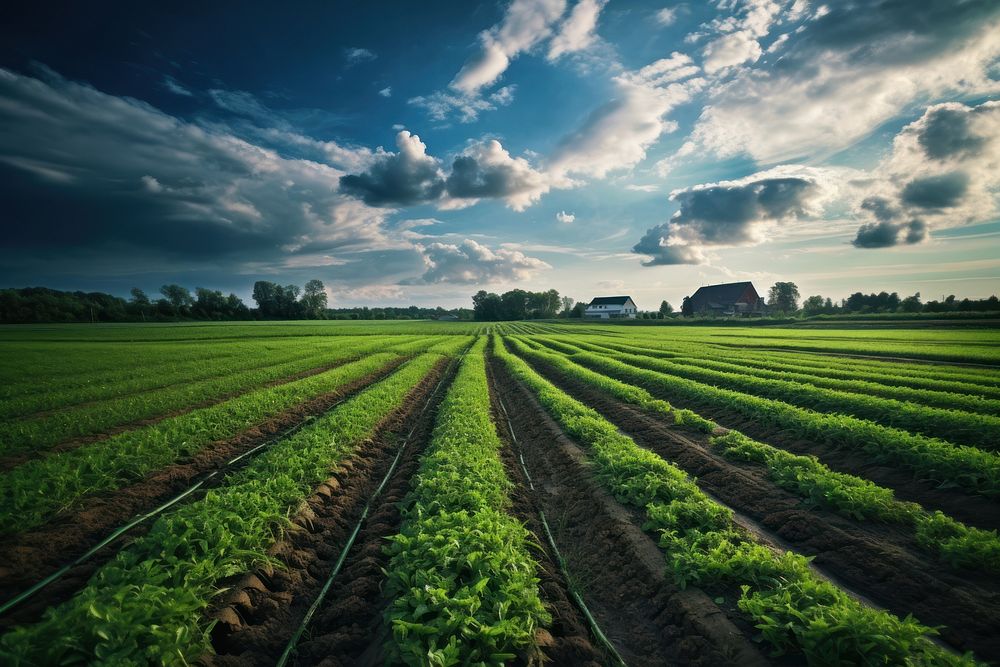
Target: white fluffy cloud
(616,135)
(564,217)
(470,262)
(486,170)
(441,105)
(845,72)
(577,31)
(525,24)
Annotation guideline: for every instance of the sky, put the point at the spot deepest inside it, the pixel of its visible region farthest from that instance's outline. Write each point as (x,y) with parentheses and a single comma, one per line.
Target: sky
(414,153)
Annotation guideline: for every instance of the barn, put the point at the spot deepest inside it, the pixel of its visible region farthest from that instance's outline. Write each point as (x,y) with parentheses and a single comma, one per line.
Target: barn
(727,300)
(611,307)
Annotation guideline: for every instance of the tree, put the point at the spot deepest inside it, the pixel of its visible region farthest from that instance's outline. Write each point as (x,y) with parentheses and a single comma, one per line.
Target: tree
(813,305)
(265,293)
(783,297)
(139,297)
(514,305)
(314,300)
(486,306)
(911,304)
(687,308)
(567,306)
(665,309)
(178,297)
(578,310)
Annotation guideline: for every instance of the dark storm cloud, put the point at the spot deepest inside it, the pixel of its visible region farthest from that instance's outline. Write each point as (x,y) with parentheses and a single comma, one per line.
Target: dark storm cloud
(881,208)
(404,178)
(484,171)
(113,178)
(727,213)
(886,234)
(947,133)
(942,191)
(862,30)
(652,243)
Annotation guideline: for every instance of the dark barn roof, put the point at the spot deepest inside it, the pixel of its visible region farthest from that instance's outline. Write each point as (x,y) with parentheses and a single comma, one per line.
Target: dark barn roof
(725,296)
(609,300)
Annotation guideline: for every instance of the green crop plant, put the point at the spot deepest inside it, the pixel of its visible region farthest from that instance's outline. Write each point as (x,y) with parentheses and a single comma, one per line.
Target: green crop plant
(964,467)
(36,491)
(463,585)
(145,605)
(703,546)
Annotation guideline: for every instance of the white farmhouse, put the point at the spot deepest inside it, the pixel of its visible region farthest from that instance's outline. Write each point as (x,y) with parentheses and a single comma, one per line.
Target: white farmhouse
(611,307)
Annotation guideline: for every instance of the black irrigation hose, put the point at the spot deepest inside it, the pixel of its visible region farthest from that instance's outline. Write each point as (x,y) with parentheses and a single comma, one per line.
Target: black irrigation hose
(294,640)
(591,621)
(61,572)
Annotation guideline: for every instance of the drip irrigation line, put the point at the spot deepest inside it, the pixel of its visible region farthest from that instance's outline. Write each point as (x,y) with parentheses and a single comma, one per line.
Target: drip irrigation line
(595,628)
(292,644)
(61,572)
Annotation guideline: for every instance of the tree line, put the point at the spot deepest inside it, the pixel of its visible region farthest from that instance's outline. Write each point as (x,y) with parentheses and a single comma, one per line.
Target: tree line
(177,303)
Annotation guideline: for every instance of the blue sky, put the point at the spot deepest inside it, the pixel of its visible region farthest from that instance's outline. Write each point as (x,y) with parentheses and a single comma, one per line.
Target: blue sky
(415,153)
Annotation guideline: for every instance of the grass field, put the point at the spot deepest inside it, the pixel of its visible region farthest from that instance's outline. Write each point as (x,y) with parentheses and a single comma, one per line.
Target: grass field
(435,493)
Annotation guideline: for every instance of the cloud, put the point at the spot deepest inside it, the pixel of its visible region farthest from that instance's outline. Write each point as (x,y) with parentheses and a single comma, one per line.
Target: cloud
(486,171)
(577,31)
(563,216)
(355,55)
(404,178)
(886,234)
(175,87)
(472,263)
(942,172)
(441,105)
(666,16)
(843,73)
(947,132)
(941,191)
(642,188)
(733,49)
(98,180)
(616,135)
(526,23)
(386,92)
(736,213)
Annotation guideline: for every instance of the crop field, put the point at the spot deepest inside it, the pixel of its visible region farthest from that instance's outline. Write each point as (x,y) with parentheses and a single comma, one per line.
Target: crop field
(458,493)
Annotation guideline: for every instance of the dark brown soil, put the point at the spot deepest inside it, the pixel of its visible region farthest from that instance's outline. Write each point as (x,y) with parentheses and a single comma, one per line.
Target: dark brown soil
(15,459)
(28,557)
(264,609)
(620,569)
(882,562)
(974,510)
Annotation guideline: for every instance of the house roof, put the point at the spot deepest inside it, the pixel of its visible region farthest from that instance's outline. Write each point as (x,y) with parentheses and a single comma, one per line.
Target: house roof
(725,293)
(609,300)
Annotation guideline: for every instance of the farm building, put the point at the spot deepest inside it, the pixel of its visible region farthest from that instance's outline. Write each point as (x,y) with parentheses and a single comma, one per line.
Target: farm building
(727,300)
(611,307)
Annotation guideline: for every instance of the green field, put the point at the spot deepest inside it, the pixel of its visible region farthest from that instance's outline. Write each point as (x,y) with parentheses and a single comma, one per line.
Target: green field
(452,493)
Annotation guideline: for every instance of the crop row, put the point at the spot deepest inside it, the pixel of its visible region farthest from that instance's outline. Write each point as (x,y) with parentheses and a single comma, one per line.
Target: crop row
(79,364)
(463,585)
(960,427)
(860,499)
(979,379)
(858,383)
(793,608)
(37,490)
(146,605)
(968,468)
(130,380)
(56,427)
